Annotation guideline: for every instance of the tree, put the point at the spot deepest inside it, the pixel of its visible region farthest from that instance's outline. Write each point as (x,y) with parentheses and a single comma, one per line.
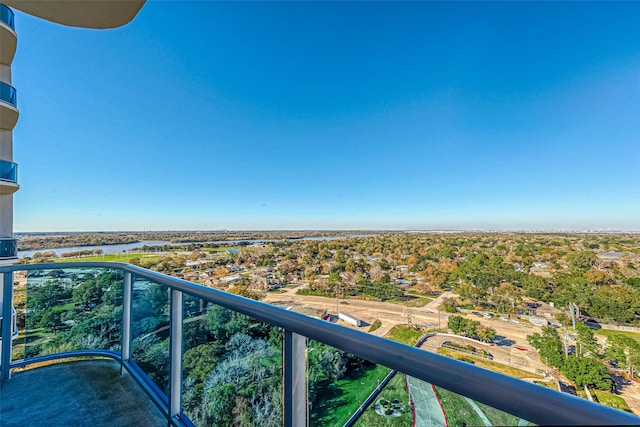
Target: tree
(52,320)
(507,296)
(580,262)
(224,323)
(87,292)
(47,296)
(587,343)
(587,372)
(597,277)
(615,302)
(486,333)
(461,326)
(625,351)
(549,345)
(457,324)
(448,305)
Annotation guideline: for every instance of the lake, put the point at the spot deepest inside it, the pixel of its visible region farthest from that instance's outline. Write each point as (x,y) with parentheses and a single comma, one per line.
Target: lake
(124,247)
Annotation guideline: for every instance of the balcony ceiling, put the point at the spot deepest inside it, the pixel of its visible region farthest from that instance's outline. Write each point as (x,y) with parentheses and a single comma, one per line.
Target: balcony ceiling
(8,115)
(7,44)
(81,13)
(8,187)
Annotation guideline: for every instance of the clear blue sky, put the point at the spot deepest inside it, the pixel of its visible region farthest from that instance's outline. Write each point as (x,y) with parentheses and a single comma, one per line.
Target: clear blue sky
(211,115)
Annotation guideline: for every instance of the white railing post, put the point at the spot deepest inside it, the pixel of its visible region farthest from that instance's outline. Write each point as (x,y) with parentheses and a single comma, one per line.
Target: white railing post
(6,291)
(175,354)
(295,380)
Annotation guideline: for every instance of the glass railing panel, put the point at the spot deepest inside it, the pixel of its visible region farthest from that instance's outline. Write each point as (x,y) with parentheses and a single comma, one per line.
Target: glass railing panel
(391,407)
(6,16)
(8,94)
(339,384)
(8,171)
(150,330)
(461,410)
(8,247)
(67,309)
(232,367)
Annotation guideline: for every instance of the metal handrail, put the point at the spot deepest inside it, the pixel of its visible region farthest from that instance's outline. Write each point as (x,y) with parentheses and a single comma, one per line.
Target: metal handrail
(528,401)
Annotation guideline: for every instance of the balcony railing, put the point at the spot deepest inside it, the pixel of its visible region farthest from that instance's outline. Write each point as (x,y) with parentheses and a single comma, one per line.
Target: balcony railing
(8,94)
(8,247)
(206,356)
(6,16)
(8,171)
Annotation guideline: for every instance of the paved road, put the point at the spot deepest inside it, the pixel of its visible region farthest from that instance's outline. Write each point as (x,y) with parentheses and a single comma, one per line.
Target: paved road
(428,411)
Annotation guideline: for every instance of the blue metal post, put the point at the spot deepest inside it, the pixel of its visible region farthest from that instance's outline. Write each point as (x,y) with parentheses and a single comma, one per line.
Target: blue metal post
(295,380)
(7,322)
(175,349)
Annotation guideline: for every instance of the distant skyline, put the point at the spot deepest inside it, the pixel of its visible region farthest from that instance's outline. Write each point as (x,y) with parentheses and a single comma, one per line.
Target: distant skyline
(332,115)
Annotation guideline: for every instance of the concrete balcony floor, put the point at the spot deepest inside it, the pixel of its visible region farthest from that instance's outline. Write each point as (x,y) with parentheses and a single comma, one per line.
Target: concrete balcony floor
(81,393)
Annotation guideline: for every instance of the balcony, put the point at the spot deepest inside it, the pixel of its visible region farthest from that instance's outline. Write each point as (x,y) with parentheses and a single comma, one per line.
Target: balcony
(8,177)
(8,106)
(8,248)
(206,357)
(8,36)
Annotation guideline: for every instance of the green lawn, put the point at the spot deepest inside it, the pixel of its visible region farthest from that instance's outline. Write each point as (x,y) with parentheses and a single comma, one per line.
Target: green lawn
(607,333)
(417,302)
(611,400)
(396,389)
(458,410)
(403,334)
(65,307)
(342,398)
(376,325)
(224,249)
(430,296)
(123,257)
(605,398)
(497,417)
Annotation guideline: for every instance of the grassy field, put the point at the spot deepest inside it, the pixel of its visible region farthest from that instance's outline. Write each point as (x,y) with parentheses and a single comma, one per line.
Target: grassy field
(611,400)
(606,399)
(404,335)
(458,410)
(607,333)
(342,398)
(225,249)
(488,364)
(497,417)
(417,302)
(123,257)
(396,389)
(375,325)
(421,294)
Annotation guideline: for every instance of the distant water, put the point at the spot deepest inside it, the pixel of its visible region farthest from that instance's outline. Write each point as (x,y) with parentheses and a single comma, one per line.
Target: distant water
(106,249)
(124,247)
